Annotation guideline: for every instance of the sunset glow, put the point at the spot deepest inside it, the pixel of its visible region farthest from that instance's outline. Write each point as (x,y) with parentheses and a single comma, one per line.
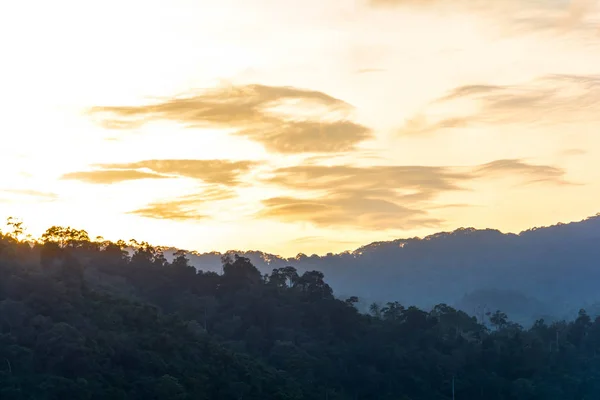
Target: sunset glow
(294,127)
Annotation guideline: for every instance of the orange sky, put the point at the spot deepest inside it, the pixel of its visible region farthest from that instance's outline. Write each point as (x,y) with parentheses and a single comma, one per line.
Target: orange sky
(298,127)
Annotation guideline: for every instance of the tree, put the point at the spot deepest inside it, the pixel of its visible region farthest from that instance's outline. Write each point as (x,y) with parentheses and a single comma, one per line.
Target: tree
(180,259)
(312,283)
(393,311)
(146,254)
(239,274)
(351,301)
(66,237)
(498,319)
(16,228)
(375,310)
(285,277)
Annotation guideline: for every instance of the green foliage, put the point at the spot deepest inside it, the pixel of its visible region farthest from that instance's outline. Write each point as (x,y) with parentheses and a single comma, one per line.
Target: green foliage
(84,319)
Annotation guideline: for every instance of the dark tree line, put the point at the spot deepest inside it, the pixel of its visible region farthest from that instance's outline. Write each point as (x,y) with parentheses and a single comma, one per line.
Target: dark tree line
(88,319)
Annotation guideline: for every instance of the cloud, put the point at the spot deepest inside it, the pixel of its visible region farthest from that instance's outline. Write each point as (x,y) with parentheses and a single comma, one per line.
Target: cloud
(372,197)
(514,15)
(219,177)
(534,173)
(384,178)
(574,15)
(383,197)
(310,136)
(255,112)
(351,210)
(30,192)
(469,90)
(342,158)
(26,194)
(210,171)
(170,211)
(420,125)
(551,100)
(110,176)
(185,208)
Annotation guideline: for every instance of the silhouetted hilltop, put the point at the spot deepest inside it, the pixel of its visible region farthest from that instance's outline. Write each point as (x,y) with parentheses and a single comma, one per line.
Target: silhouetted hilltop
(555,268)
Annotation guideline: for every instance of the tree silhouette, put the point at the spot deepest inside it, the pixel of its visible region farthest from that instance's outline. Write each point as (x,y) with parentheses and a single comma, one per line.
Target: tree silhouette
(84,319)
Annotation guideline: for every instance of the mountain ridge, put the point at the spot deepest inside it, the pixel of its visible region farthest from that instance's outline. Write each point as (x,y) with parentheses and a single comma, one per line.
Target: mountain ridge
(356,251)
(553,266)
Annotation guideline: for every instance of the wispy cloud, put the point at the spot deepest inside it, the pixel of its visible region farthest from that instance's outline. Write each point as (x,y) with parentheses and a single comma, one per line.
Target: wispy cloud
(348,178)
(518,16)
(185,208)
(27,194)
(169,211)
(384,197)
(210,171)
(252,112)
(346,210)
(551,100)
(219,178)
(110,176)
(421,124)
(529,173)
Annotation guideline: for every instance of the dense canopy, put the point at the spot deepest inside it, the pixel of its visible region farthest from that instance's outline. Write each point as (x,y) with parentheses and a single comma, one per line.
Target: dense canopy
(92,319)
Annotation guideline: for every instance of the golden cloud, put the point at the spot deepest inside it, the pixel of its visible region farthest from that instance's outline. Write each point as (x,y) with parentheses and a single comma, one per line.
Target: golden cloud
(372,197)
(170,211)
(383,197)
(250,111)
(219,177)
(535,173)
(110,176)
(346,210)
(309,136)
(185,208)
(551,100)
(382,178)
(210,171)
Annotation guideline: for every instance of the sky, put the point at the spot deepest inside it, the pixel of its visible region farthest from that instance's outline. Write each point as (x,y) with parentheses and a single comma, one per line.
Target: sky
(288,127)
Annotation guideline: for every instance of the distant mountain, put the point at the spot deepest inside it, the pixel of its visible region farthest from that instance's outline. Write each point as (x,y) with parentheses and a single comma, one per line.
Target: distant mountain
(541,272)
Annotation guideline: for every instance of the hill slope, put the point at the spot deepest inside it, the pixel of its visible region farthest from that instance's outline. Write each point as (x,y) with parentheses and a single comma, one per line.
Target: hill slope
(544,271)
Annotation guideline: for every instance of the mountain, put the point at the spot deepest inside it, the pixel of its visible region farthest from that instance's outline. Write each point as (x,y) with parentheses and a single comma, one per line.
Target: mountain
(542,272)
(85,320)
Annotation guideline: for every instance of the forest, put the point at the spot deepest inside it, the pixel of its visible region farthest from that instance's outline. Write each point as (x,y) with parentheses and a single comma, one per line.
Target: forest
(84,318)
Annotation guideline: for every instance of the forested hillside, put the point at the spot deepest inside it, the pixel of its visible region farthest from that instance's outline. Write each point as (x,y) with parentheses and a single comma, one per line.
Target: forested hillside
(547,272)
(84,319)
